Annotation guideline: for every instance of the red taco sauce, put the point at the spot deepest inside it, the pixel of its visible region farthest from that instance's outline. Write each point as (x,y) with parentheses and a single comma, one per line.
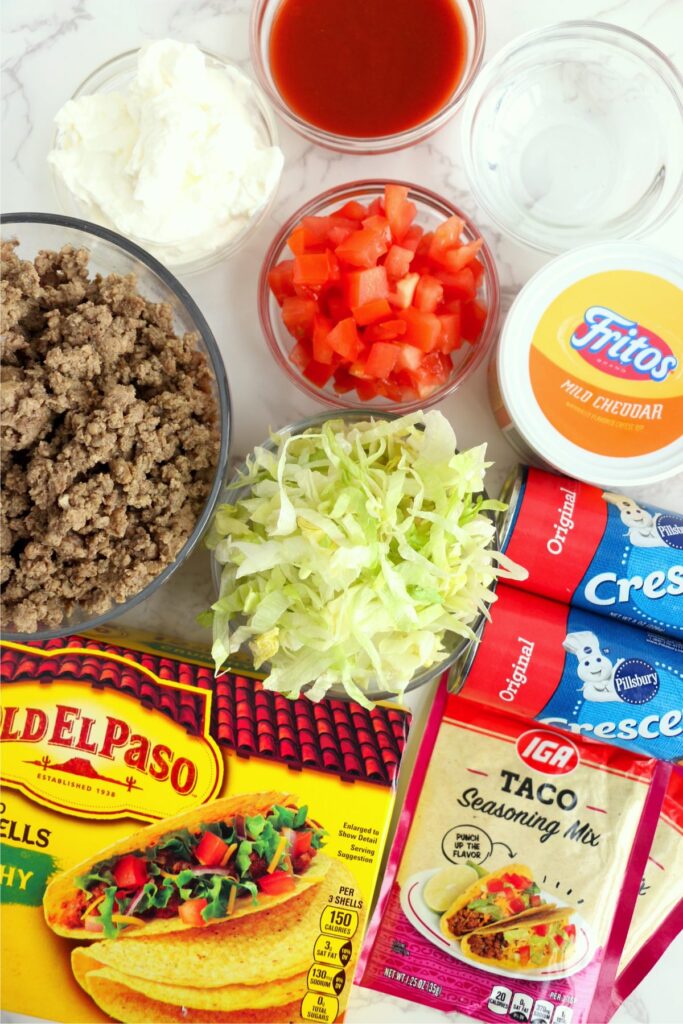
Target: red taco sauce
(367,68)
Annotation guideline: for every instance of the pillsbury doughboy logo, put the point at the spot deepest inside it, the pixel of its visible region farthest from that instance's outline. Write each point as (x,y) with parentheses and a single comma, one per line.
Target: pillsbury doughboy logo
(621,347)
(631,680)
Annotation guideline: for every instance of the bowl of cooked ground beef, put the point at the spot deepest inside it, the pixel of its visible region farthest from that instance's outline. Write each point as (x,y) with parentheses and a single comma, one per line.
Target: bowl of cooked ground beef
(114,425)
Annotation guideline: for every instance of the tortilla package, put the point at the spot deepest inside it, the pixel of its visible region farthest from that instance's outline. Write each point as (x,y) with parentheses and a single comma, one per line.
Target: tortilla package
(516,847)
(179,846)
(658,916)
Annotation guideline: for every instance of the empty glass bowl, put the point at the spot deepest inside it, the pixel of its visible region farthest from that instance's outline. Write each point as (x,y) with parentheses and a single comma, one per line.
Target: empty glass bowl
(574,133)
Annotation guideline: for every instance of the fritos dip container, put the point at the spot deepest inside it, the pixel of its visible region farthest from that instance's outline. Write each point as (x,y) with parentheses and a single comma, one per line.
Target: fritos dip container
(588,377)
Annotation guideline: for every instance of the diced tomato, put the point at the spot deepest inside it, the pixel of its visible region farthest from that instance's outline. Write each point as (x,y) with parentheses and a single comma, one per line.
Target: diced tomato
(446,236)
(276,883)
(297,315)
(322,350)
(428,294)
(459,285)
(397,262)
(317,229)
(405,290)
(559,940)
(210,850)
(302,843)
(540,929)
(423,330)
(344,339)
(387,330)
(517,905)
(379,224)
(370,312)
(366,390)
(300,355)
(520,882)
(399,209)
(312,269)
(93,923)
(377,304)
(450,337)
(456,259)
(190,912)
(412,237)
(524,952)
(409,357)
(570,931)
(318,373)
(333,304)
(280,280)
(535,900)
(130,872)
(473,319)
(343,381)
(338,234)
(297,241)
(361,286)
(353,210)
(495,885)
(477,268)
(362,248)
(381,360)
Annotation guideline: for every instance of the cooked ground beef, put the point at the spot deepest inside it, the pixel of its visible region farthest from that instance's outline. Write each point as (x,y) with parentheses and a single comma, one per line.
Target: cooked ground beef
(489,944)
(108,438)
(464,921)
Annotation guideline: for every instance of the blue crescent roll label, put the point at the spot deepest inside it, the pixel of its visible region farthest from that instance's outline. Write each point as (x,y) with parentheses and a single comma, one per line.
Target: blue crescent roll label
(636,574)
(621,685)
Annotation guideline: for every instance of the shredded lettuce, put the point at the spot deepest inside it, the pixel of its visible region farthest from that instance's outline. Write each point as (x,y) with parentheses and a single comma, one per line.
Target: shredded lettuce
(358,548)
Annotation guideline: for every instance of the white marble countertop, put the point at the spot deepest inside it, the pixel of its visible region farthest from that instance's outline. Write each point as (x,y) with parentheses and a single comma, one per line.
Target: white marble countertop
(50,46)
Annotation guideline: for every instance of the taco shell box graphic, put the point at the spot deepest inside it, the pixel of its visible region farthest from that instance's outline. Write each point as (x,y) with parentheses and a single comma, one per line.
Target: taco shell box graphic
(179,847)
(515,852)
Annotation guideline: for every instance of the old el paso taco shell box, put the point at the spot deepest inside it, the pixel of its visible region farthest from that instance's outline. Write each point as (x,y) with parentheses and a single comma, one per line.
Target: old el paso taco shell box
(179,847)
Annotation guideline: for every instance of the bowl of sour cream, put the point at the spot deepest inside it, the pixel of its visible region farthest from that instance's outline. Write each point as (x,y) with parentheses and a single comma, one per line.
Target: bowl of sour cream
(172,147)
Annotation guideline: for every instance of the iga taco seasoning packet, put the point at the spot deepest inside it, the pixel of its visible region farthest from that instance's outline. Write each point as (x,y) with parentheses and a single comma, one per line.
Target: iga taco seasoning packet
(517,847)
(179,847)
(658,915)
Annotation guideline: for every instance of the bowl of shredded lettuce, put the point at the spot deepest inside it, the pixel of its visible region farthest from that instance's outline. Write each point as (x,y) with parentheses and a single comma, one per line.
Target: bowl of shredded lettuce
(356,554)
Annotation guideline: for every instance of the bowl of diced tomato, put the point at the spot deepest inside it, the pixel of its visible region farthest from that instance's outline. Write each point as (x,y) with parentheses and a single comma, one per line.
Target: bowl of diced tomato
(380,294)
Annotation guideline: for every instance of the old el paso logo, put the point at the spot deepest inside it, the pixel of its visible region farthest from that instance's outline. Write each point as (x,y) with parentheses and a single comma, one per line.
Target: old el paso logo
(621,347)
(102,754)
(545,752)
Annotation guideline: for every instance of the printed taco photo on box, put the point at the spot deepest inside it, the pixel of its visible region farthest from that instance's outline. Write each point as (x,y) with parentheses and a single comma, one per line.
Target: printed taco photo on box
(176,847)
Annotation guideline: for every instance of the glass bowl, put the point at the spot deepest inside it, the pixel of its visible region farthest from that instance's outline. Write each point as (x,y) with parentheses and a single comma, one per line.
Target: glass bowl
(574,133)
(431,210)
(262,16)
(112,254)
(115,76)
(456,646)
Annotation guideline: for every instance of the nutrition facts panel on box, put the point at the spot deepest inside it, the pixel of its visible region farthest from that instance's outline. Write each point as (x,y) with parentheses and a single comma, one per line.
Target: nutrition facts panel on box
(519,1006)
(327,976)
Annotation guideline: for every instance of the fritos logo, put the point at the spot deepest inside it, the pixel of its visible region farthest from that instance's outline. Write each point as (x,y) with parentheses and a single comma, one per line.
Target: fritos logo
(545,752)
(621,347)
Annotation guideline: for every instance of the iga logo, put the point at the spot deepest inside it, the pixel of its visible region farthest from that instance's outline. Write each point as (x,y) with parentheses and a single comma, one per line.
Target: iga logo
(621,347)
(545,752)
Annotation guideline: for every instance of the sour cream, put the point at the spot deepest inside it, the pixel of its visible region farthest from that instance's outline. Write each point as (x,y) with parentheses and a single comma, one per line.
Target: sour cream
(180,160)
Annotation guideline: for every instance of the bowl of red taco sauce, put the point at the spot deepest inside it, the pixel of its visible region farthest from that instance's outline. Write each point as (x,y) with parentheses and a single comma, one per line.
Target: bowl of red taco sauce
(366,76)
